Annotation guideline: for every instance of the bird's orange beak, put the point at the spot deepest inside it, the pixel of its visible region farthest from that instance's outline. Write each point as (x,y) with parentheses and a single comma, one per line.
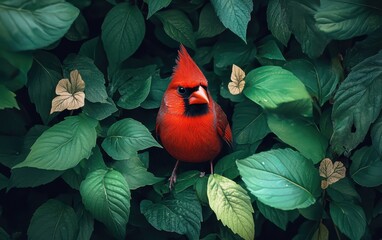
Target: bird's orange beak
(199,97)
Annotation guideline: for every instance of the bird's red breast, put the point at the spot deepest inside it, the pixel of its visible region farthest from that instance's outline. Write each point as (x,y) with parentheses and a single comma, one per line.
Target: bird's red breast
(190,124)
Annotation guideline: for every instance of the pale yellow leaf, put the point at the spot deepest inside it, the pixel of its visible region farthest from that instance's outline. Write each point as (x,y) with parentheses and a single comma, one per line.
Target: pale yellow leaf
(70,93)
(331,172)
(324,184)
(322,233)
(78,85)
(236,88)
(326,167)
(237,74)
(237,83)
(338,173)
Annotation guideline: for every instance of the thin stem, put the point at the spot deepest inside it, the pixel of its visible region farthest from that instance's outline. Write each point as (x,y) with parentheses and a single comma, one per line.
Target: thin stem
(337,232)
(323,198)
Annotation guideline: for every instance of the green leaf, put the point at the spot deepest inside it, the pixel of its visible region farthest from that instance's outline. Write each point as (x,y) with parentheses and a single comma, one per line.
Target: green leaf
(249,123)
(344,20)
(79,29)
(343,191)
(100,111)
(377,210)
(181,214)
(163,37)
(366,167)
(306,230)
(15,67)
(94,50)
(74,176)
(177,25)
(186,180)
(269,52)
(43,23)
(313,212)
(278,217)
(281,178)
(361,50)
(135,173)
(3,181)
(349,218)
(128,80)
(32,177)
(376,134)
(232,205)
(95,90)
(42,81)
(271,86)
(209,23)
(32,135)
(155,6)
(226,166)
(320,77)
(277,20)
(357,104)
(134,92)
(88,48)
(235,15)
(126,137)
(13,149)
(325,123)
(53,220)
(106,195)
(203,55)
(4,235)
(13,122)
(300,134)
(200,188)
(10,149)
(7,98)
(301,22)
(122,32)
(85,223)
(157,89)
(64,145)
(232,51)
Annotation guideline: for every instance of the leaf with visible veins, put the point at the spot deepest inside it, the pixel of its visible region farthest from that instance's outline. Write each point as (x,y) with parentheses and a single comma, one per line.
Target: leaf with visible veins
(70,93)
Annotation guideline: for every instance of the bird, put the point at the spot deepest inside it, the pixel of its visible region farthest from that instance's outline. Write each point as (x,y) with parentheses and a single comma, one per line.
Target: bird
(190,125)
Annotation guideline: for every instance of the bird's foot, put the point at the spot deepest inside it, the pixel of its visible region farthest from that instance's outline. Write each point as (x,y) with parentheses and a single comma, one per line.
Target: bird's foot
(172,180)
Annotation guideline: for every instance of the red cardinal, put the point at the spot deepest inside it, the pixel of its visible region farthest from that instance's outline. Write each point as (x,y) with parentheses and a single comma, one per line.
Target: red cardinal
(190,124)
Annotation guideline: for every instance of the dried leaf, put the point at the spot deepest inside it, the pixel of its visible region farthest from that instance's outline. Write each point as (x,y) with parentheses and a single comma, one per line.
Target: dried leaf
(322,233)
(324,184)
(70,93)
(237,83)
(331,172)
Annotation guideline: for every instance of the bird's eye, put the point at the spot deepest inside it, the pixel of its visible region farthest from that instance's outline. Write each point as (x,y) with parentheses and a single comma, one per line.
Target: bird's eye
(181,90)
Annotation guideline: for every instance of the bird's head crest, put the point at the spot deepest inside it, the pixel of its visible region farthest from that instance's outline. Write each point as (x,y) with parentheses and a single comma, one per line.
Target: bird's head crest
(186,72)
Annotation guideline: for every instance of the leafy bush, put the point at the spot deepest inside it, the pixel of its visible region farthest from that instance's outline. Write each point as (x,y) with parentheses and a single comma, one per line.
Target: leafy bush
(81,83)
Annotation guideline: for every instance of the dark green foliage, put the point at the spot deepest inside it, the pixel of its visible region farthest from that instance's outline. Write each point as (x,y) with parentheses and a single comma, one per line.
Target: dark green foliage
(313,90)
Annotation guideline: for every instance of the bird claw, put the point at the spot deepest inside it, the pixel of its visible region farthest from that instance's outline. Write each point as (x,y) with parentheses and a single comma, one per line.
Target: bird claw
(172,178)
(172,181)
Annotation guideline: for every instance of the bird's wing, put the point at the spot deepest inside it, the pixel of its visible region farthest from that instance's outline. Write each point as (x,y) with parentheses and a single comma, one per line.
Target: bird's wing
(223,127)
